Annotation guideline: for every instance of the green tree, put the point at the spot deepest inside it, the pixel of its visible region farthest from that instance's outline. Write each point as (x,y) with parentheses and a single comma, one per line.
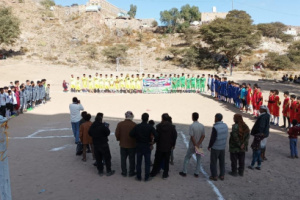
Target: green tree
(170,18)
(47,3)
(200,57)
(233,36)
(294,52)
(278,62)
(190,14)
(274,29)
(132,11)
(188,35)
(9,26)
(114,52)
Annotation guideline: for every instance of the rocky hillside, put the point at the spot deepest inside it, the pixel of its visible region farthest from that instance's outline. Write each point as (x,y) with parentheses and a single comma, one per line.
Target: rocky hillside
(65,37)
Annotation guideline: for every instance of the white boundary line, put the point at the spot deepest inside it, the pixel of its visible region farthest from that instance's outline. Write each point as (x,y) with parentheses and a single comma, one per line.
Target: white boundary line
(33,135)
(61,148)
(215,189)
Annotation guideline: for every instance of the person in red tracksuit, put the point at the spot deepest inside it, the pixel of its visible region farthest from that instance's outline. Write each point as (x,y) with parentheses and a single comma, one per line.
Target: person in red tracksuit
(276,107)
(255,108)
(298,110)
(293,108)
(286,109)
(271,103)
(259,99)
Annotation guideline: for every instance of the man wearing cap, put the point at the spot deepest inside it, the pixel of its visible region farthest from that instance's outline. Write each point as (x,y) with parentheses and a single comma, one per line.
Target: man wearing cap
(260,131)
(127,143)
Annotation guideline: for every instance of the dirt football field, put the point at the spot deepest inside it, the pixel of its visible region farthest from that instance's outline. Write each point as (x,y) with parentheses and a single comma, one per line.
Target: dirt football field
(43,164)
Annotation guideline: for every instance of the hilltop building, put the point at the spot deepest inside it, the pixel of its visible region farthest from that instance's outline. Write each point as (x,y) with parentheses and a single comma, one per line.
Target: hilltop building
(207,17)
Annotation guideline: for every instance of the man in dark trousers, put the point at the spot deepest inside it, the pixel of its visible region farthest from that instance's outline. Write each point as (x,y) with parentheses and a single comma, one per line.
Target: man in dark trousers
(165,142)
(99,131)
(260,131)
(144,134)
(127,144)
(217,146)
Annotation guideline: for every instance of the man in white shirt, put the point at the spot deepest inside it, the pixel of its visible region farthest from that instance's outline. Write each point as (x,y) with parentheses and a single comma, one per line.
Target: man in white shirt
(75,109)
(197,133)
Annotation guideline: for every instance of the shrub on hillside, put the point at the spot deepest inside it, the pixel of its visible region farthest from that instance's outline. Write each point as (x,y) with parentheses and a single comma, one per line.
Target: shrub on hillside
(47,3)
(92,52)
(114,52)
(9,26)
(294,52)
(278,62)
(154,23)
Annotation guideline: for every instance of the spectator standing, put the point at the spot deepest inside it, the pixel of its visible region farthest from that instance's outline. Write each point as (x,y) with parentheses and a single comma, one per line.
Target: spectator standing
(238,145)
(144,134)
(75,109)
(127,144)
(217,147)
(260,131)
(197,133)
(99,132)
(165,142)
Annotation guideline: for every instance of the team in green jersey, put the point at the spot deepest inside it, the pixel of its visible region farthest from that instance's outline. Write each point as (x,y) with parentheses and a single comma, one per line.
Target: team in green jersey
(189,84)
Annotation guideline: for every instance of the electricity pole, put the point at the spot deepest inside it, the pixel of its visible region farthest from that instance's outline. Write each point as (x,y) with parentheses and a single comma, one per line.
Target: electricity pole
(232,5)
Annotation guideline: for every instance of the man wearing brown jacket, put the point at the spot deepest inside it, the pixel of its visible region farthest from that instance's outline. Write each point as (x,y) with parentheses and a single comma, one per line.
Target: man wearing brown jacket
(127,144)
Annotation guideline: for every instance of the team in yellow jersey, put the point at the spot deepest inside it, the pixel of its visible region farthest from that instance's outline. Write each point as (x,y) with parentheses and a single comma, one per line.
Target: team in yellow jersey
(107,83)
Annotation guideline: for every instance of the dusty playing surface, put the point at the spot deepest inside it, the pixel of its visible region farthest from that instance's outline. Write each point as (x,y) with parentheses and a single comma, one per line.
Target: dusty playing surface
(43,164)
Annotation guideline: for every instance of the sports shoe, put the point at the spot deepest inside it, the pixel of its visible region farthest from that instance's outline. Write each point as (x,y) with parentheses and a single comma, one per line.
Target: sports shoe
(258,168)
(250,167)
(235,174)
(196,175)
(100,173)
(182,174)
(138,179)
(165,177)
(132,174)
(112,172)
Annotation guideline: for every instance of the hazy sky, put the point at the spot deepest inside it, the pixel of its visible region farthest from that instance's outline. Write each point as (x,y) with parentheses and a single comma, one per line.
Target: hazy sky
(262,11)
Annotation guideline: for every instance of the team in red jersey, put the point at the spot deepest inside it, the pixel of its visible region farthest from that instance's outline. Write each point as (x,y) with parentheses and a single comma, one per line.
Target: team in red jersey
(286,109)
(254,104)
(293,107)
(298,110)
(276,107)
(271,102)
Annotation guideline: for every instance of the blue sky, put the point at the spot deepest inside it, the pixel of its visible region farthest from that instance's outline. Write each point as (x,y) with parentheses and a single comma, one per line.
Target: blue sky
(262,11)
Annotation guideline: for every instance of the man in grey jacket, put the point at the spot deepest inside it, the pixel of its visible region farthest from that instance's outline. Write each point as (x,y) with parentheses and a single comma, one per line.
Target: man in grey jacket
(217,147)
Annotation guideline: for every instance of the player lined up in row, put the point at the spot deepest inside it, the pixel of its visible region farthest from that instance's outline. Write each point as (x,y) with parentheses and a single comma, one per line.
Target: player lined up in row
(133,83)
(18,98)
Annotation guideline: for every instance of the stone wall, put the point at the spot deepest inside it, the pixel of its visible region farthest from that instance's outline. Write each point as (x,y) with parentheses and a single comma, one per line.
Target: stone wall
(208,17)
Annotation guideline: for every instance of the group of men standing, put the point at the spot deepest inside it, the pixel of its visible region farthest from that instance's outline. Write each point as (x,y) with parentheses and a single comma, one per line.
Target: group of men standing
(137,140)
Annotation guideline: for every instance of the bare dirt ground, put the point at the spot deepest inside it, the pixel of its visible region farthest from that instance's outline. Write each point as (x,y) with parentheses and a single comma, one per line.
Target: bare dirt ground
(42,157)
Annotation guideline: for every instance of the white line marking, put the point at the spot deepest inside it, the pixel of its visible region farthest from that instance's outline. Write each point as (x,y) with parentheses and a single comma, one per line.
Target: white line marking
(45,137)
(61,148)
(215,189)
(32,136)
(44,130)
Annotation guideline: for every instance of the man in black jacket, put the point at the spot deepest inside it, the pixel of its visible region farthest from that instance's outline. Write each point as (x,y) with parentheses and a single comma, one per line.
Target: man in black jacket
(144,134)
(99,131)
(260,131)
(166,141)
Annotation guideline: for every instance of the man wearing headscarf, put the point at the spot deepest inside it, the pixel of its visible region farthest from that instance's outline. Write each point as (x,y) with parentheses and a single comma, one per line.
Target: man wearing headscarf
(260,131)
(127,144)
(238,145)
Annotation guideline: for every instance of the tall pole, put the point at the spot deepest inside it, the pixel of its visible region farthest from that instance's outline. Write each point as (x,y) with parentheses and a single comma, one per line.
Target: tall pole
(232,5)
